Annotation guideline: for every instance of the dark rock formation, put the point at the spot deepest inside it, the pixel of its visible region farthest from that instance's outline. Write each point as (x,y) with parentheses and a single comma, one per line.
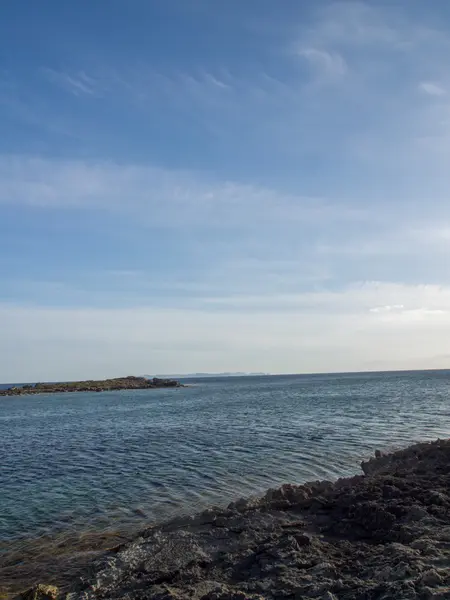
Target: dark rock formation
(380,536)
(104,385)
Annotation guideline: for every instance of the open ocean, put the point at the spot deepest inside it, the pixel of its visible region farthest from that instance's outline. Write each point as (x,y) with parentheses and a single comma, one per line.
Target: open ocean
(120,460)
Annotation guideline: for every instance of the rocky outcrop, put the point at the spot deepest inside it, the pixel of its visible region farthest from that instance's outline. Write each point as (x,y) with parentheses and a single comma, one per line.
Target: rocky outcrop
(40,592)
(383,535)
(104,385)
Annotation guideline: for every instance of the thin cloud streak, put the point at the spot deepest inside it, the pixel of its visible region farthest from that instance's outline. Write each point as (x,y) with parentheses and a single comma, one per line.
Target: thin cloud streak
(171,197)
(78,84)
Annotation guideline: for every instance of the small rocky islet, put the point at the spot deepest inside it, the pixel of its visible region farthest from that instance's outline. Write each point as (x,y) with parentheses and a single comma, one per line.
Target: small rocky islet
(90,385)
(381,535)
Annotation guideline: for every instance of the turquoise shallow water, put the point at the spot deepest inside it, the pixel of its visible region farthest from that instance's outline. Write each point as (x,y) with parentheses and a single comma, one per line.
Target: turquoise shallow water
(116,460)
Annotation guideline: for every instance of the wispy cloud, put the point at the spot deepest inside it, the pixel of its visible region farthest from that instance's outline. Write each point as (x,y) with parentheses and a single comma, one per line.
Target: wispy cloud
(172,197)
(142,84)
(330,65)
(433,89)
(258,238)
(21,105)
(354,23)
(374,54)
(78,84)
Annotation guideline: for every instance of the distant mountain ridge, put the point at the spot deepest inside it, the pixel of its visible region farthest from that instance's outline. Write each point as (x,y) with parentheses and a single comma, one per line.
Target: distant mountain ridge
(204,375)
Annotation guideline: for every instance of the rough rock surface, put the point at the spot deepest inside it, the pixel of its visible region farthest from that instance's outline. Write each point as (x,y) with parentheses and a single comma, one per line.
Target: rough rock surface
(383,535)
(41,592)
(102,385)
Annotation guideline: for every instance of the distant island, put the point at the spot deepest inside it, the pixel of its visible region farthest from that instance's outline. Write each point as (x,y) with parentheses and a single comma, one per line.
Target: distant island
(91,385)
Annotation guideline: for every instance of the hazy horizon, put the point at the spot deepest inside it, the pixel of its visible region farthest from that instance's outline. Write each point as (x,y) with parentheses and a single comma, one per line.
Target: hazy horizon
(226,375)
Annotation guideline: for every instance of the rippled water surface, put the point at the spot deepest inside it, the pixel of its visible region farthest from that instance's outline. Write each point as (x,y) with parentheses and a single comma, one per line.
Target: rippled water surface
(117,460)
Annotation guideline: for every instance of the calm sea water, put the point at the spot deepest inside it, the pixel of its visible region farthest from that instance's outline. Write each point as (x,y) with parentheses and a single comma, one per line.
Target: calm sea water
(120,459)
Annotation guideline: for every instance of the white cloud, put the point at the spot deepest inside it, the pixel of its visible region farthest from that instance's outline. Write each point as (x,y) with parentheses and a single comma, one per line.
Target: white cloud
(366,297)
(328,64)
(387,308)
(432,89)
(399,314)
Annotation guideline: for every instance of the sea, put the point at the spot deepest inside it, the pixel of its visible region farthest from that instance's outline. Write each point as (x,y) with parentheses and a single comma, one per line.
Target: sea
(112,463)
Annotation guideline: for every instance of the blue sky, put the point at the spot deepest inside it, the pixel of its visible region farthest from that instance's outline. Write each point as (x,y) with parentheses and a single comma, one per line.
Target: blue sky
(198,185)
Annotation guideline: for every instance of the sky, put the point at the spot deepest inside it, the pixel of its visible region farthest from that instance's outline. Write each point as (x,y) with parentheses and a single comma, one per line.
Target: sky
(223,185)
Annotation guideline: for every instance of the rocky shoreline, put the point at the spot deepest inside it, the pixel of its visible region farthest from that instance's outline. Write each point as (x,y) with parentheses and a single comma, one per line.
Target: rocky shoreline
(90,385)
(384,534)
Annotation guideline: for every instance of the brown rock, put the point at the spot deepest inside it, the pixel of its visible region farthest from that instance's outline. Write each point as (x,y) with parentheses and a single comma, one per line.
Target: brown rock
(39,592)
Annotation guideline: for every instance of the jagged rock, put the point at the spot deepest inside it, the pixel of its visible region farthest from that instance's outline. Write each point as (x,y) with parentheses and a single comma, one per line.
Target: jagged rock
(431,578)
